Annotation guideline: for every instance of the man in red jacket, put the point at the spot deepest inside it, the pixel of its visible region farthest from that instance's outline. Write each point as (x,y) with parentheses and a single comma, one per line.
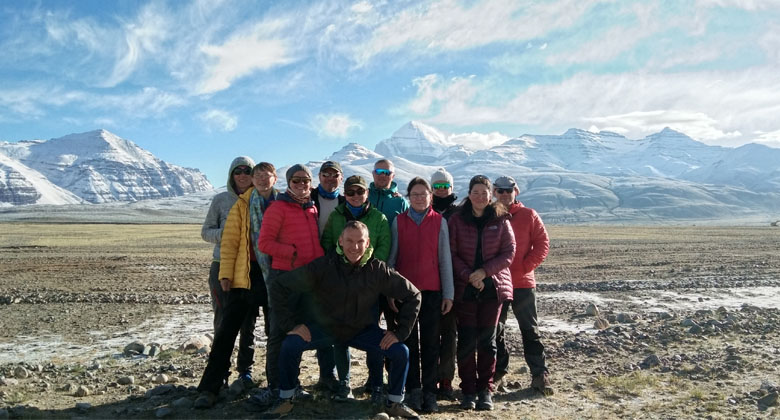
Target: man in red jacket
(532,247)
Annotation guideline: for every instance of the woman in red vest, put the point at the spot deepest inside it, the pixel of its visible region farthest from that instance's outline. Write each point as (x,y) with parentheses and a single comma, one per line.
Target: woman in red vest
(483,246)
(420,251)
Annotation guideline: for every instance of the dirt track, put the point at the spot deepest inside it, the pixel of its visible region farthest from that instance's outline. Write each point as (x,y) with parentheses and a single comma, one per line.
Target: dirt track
(88,285)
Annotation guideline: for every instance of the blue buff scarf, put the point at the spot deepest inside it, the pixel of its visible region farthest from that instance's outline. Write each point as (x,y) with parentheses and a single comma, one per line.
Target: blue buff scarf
(325,194)
(356,211)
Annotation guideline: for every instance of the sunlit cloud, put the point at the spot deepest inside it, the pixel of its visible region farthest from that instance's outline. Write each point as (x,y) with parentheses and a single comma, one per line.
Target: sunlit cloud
(217,119)
(479,141)
(335,125)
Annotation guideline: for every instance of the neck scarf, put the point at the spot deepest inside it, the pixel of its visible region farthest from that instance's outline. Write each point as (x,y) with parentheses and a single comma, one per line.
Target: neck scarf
(300,199)
(328,195)
(356,211)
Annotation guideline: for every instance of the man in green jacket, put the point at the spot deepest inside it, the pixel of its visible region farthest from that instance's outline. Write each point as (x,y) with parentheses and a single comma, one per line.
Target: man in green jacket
(357,207)
(383,193)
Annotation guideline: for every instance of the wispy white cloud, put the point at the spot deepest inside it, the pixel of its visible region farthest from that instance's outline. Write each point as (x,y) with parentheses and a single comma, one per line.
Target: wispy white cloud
(335,125)
(217,119)
(479,141)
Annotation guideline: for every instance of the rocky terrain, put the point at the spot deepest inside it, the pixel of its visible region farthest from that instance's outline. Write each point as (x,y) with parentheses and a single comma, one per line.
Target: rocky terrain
(113,321)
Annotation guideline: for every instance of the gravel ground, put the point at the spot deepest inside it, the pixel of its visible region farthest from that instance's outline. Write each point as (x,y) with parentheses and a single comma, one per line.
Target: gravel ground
(112,321)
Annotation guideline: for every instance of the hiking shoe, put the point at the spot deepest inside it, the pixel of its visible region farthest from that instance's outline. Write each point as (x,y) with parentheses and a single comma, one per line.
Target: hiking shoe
(246,380)
(205,400)
(281,408)
(263,399)
(377,396)
(327,384)
(301,394)
(445,390)
(344,393)
(413,399)
(469,402)
(396,409)
(485,402)
(429,404)
(542,384)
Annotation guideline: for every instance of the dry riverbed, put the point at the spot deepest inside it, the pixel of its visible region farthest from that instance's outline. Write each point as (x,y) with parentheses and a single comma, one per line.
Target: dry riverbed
(690,314)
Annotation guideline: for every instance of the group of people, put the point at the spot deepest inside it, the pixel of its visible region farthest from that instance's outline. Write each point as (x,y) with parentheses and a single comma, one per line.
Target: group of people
(326,267)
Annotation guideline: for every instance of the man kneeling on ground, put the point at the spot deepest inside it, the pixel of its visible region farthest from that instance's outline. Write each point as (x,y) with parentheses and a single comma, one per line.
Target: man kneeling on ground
(343,287)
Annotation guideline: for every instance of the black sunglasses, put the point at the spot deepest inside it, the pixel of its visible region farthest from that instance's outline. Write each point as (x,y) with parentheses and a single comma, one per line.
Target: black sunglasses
(356,191)
(504,190)
(246,170)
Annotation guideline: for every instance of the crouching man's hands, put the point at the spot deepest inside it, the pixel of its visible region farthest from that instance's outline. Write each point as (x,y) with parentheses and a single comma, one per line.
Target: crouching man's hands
(388,340)
(301,331)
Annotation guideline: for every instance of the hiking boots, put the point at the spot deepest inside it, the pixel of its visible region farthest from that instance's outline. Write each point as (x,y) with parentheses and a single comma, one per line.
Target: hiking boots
(445,390)
(327,384)
(263,399)
(205,400)
(413,399)
(469,402)
(246,380)
(542,384)
(485,402)
(429,404)
(281,408)
(377,396)
(344,392)
(396,409)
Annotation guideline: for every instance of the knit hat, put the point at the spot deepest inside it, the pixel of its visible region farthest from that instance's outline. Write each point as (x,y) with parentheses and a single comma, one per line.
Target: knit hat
(441,174)
(329,164)
(295,168)
(355,180)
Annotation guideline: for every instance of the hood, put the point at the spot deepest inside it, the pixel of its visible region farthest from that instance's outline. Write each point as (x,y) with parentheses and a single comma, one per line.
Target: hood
(363,260)
(515,207)
(241,160)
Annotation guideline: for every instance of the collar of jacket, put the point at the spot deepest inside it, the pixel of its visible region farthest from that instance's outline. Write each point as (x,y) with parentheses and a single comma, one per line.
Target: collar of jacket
(391,191)
(363,260)
(441,204)
(285,197)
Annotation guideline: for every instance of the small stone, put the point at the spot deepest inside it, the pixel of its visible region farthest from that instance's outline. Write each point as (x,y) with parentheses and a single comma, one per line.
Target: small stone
(523,370)
(21,373)
(95,366)
(134,348)
(154,350)
(665,315)
(592,310)
(8,382)
(601,324)
(194,344)
(382,416)
(182,403)
(650,361)
(163,412)
(160,379)
(687,322)
(696,329)
(83,406)
(126,380)
(161,389)
(81,391)
(624,318)
(768,400)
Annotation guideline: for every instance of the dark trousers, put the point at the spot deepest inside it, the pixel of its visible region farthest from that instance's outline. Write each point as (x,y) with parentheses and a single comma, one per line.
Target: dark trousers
(423,344)
(325,358)
(368,340)
(477,322)
(524,308)
(240,308)
(218,298)
(448,334)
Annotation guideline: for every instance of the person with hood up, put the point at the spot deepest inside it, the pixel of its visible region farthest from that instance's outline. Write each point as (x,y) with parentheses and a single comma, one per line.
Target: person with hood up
(533,245)
(483,247)
(239,180)
(290,236)
(383,192)
(241,274)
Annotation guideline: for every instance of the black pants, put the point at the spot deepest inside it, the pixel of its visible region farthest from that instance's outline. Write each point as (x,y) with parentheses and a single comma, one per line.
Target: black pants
(239,311)
(448,332)
(524,308)
(423,343)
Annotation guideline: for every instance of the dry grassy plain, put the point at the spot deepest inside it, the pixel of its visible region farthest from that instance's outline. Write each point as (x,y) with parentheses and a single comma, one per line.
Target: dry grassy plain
(75,279)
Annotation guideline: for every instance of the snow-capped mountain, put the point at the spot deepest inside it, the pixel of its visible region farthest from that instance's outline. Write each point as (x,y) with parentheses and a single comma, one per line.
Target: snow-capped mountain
(93,167)
(583,176)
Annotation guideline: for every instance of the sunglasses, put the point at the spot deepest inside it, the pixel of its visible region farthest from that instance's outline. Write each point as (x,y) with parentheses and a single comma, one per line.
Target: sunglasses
(504,190)
(329,174)
(242,170)
(297,180)
(354,192)
(442,186)
(386,172)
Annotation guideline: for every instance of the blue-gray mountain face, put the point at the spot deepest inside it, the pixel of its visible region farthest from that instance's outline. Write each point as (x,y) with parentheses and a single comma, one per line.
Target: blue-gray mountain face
(595,177)
(92,167)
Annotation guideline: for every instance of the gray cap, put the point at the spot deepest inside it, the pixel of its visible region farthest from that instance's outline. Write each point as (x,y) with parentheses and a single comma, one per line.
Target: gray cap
(295,168)
(329,164)
(441,174)
(505,182)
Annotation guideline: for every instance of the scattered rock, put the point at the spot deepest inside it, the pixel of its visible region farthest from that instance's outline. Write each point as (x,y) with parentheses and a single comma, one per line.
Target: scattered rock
(134,348)
(95,366)
(195,344)
(126,380)
(592,310)
(160,379)
(83,406)
(82,391)
(160,390)
(21,373)
(8,382)
(523,370)
(183,403)
(768,400)
(624,318)
(650,361)
(696,329)
(601,324)
(687,322)
(381,416)
(163,412)
(154,350)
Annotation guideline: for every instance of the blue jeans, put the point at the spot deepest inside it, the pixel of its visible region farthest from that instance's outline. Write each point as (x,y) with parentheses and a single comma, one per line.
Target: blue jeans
(367,340)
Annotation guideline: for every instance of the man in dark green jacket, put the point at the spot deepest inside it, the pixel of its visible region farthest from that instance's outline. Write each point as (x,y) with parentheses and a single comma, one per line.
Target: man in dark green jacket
(342,287)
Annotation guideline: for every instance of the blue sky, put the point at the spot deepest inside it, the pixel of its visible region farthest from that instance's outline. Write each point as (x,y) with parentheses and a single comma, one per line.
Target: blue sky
(200,82)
